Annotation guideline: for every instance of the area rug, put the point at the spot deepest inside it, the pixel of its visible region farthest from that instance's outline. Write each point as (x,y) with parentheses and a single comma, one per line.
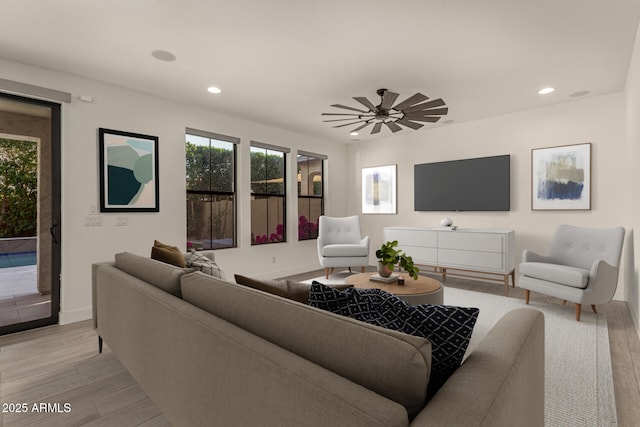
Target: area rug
(578,376)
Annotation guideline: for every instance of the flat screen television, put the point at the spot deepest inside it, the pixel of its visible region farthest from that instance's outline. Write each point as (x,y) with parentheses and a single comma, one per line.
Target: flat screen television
(480,184)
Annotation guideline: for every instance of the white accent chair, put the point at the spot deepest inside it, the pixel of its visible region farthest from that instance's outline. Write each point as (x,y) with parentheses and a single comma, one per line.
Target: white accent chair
(340,244)
(582,266)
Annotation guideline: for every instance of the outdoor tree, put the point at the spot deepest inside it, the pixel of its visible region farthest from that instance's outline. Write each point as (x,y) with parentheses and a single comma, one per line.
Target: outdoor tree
(18,188)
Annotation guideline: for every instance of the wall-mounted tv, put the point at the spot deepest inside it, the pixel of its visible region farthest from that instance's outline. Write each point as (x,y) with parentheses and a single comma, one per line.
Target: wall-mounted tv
(480,184)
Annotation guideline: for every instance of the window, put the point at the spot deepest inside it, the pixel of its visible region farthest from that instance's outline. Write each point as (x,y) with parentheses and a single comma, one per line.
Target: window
(268,194)
(310,194)
(211,194)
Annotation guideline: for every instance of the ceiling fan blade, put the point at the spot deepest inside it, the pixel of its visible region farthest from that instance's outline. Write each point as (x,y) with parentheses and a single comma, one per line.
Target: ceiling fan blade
(340,120)
(410,124)
(434,103)
(361,127)
(340,114)
(376,128)
(348,108)
(364,101)
(393,126)
(412,100)
(388,99)
(432,112)
(430,119)
(349,124)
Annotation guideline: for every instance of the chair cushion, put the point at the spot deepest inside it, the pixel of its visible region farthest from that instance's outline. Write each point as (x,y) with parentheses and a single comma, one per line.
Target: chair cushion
(448,328)
(344,250)
(562,274)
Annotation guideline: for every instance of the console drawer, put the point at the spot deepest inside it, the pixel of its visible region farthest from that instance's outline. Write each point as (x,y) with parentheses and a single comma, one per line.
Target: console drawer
(484,242)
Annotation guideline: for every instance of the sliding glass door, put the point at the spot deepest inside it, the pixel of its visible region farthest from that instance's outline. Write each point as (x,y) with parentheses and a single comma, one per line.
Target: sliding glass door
(29,213)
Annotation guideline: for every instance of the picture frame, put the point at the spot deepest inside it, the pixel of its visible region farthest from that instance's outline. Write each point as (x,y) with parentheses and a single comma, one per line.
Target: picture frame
(561,177)
(379,189)
(128,171)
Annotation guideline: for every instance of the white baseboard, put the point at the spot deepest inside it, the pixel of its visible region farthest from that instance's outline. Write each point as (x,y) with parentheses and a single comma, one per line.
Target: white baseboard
(74,316)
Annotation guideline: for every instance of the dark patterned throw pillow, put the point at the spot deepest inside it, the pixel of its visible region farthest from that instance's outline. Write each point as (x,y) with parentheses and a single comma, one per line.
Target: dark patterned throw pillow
(449,328)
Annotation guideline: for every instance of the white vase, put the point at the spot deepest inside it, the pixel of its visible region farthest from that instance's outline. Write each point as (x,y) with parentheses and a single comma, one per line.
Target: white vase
(446,222)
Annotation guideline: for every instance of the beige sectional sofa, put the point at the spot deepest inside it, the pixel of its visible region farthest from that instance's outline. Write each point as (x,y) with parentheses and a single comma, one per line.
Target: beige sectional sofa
(213,353)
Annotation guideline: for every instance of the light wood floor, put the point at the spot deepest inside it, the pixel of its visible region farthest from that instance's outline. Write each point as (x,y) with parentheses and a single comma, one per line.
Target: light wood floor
(61,364)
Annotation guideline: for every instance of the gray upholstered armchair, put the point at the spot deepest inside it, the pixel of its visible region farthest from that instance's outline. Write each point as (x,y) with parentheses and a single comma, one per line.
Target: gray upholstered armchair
(340,244)
(582,266)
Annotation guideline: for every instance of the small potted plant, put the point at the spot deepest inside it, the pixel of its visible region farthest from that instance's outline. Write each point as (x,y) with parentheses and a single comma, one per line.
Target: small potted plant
(389,256)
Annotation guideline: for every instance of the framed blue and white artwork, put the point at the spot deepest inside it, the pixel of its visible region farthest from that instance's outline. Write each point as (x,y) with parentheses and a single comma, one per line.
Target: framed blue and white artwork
(561,177)
(379,190)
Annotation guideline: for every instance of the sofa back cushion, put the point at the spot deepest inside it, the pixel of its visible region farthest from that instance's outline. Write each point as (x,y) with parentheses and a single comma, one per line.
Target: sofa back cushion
(159,274)
(390,363)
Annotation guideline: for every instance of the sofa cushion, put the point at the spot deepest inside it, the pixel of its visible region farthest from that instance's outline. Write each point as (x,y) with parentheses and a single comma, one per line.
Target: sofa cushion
(562,274)
(345,250)
(291,289)
(157,273)
(390,363)
(448,328)
(205,264)
(169,254)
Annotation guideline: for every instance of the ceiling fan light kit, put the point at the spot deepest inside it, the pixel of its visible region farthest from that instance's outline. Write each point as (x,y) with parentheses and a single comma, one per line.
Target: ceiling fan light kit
(407,113)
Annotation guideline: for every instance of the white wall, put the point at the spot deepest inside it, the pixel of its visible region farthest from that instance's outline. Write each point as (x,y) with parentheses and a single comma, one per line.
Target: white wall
(632,92)
(599,120)
(118,108)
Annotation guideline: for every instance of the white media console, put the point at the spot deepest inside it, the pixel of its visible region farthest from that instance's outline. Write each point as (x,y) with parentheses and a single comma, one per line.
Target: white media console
(459,252)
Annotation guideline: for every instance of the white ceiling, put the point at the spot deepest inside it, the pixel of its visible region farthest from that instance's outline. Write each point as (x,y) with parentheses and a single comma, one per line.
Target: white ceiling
(284,62)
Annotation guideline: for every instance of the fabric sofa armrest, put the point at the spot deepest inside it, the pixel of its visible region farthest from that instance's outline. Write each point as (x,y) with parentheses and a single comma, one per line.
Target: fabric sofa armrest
(502,381)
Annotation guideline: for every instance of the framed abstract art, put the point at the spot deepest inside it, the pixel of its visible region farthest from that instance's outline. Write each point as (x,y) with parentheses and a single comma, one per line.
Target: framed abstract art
(379,190)
(128,172)
(561,177)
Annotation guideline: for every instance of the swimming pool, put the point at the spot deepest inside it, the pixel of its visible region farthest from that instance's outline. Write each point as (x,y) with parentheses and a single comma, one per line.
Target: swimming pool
(18,259)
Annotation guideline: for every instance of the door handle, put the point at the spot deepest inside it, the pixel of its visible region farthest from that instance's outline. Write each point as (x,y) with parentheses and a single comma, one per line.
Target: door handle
(52,230)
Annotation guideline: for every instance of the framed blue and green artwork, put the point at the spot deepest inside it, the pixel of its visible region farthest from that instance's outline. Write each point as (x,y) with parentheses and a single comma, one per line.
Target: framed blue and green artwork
(128,172)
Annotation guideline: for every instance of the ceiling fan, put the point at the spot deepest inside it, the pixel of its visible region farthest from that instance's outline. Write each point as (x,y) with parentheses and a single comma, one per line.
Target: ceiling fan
(407,113)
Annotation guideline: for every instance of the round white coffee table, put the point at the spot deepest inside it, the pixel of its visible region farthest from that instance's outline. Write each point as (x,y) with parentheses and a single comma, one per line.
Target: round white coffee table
(422,291)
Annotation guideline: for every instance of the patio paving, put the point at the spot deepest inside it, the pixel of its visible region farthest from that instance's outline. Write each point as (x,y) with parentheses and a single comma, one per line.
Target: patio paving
(20,300)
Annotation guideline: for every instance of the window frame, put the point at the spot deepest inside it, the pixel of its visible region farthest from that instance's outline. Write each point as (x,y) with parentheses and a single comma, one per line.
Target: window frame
(285,152)
(321,197)
(233,194)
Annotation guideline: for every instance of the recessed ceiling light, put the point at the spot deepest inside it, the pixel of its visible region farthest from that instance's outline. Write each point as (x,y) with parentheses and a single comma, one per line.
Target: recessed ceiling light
(545,91)
(354,134)
(163,55)
(214,89)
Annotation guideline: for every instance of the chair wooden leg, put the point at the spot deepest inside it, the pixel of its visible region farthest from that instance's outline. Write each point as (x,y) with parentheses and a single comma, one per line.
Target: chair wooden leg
(527,293)
(326,272)
(564,302)
(349,270)
(593,307)
(578,310)
(363,269)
